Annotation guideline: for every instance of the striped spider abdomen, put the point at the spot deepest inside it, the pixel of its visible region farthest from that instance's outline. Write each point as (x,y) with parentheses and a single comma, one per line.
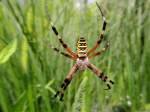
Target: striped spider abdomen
(81,48)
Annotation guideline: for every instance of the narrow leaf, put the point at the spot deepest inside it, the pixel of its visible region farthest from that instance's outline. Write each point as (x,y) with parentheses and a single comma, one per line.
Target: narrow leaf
(8,51)
(24,54)
(80,97)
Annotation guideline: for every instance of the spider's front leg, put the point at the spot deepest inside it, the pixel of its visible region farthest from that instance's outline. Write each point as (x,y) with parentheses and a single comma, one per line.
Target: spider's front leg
(65,46)
(62,53)
(74,55)
(66,82)
(100,52)
(92,50)
(101,75)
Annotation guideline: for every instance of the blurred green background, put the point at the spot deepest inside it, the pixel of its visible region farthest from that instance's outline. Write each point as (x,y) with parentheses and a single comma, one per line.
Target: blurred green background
(31,72)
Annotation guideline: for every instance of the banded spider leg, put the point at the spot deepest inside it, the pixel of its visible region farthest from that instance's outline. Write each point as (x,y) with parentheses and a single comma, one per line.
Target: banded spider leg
(66,82)
(101,75)
(54,29)
(101,36)
(100,52)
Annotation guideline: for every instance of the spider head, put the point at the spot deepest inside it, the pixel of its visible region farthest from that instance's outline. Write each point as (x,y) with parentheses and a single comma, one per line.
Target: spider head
(81,47)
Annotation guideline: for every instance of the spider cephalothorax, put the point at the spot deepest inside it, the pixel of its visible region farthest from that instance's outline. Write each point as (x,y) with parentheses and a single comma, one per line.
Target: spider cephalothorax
(82,57)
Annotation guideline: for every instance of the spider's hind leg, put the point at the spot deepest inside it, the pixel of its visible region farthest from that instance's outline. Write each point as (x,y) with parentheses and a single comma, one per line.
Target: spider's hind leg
(108,85)
(63,88)
(66,82)
(101,75)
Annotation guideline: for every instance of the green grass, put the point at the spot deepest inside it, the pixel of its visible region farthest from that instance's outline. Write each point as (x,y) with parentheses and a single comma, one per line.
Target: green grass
(31,72)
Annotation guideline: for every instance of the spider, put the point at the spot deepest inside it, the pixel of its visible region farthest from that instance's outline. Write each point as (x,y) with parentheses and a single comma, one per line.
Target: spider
(82,57)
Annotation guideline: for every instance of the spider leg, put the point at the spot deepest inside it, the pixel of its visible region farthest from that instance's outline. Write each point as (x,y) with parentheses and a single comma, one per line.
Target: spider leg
(100,52)
(101,36)
(101,75)
(66,82)
(65,46)
(63,53)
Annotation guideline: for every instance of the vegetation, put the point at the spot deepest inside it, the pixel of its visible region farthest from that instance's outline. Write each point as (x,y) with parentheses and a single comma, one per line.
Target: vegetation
(31,72)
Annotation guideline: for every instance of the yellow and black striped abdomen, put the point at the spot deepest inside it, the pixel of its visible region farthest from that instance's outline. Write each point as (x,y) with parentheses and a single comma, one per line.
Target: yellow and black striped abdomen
(81,47)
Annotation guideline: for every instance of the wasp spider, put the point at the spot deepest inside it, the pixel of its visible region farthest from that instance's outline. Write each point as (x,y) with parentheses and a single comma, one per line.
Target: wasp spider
(82,56)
